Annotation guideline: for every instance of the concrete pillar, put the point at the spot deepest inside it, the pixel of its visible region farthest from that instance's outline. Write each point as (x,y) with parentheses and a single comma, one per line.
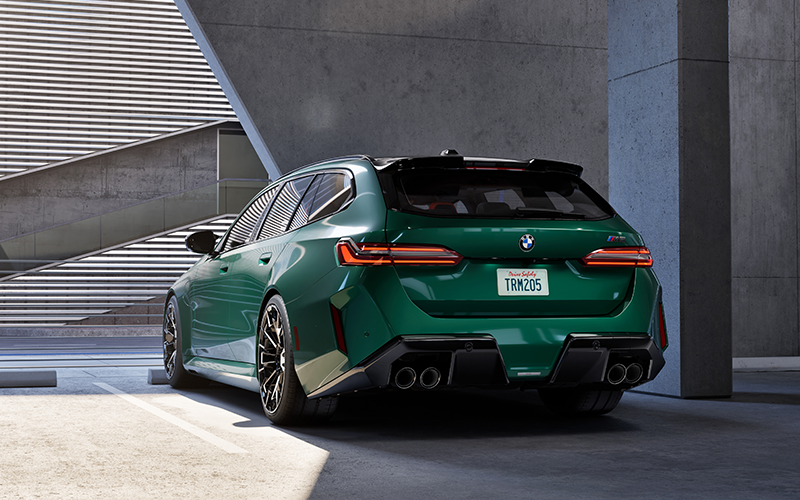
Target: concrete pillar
(669,173)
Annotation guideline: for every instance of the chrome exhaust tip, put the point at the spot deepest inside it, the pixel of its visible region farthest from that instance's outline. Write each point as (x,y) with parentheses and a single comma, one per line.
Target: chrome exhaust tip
(616,374)
(633,373)
(430,378)
(405,377)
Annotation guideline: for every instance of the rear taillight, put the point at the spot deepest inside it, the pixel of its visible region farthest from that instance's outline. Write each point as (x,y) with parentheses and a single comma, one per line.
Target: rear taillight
(362,254)
(619,257)
(379,254)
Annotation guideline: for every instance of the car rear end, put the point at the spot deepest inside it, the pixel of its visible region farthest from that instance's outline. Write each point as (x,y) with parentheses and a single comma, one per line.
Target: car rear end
(496,273)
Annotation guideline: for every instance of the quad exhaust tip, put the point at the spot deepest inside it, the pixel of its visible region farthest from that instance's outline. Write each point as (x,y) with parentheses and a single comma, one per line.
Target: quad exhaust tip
(430,378)
(620,373)
(616,374)
(633,373)
(405,377)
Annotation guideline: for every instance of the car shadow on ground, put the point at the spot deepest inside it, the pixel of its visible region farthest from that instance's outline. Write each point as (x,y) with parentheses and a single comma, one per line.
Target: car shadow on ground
(440,414)
(456,414)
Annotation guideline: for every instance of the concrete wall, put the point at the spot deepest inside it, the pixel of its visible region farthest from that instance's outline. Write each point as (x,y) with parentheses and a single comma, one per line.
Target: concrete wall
(114,196)
(314,79)
(764,42)
(126,224)
(87,187)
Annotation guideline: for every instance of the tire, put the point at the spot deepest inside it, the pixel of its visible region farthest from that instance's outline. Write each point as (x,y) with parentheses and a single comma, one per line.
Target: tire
(177,376)
(580,401)
(282,397)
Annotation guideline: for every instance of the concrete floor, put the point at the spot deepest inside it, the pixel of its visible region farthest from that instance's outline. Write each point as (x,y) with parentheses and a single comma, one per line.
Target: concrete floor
(104,432)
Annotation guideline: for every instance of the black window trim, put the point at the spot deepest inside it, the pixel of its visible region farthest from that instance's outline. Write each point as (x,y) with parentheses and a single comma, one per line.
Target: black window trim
(262,219)
(300,201)
(222,241)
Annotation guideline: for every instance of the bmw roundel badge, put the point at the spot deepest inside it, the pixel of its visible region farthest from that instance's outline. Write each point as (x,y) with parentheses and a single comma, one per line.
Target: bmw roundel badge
(526,242)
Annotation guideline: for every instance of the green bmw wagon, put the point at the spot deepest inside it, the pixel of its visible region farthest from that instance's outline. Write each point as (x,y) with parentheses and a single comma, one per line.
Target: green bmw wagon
(419,273)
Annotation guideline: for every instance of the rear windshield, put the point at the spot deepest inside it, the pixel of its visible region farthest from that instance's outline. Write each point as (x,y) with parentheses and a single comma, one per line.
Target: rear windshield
(492,194)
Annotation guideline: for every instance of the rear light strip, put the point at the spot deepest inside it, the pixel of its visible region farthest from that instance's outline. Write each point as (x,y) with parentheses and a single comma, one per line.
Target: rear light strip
(662,327)
(619,257)
(338,328)
(496,168)
(351,253)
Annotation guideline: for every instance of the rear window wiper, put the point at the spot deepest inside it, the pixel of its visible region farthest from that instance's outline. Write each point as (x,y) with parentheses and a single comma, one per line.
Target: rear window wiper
(546,212)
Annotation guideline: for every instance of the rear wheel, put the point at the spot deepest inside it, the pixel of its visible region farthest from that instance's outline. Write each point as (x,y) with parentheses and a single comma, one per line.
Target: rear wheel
(177,376)
(580,401)
(282,396)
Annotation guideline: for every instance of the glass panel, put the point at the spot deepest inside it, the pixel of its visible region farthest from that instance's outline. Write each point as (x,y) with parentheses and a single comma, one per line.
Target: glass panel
(237,158)
(285,204)
(494,193)
(334,191)
(243,227)
(304,208)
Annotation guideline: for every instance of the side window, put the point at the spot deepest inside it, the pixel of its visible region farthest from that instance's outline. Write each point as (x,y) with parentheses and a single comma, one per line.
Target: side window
(334,191)
(304,208)
(282,210)
(244,225)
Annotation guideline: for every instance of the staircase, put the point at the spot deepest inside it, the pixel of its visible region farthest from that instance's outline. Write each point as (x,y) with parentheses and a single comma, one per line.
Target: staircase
(122,286)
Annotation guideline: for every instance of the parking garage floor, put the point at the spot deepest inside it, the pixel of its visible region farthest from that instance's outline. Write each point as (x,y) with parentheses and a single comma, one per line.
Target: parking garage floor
(105,432)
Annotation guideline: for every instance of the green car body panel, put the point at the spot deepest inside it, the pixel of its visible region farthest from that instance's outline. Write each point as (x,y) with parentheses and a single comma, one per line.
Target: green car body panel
(221,299)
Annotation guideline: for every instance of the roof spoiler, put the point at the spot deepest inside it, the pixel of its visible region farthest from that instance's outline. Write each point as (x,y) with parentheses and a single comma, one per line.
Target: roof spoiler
(454,161)
(554,166)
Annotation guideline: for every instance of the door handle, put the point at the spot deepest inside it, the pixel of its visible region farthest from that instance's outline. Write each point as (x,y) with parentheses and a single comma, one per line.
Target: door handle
(264,259)
(223,269)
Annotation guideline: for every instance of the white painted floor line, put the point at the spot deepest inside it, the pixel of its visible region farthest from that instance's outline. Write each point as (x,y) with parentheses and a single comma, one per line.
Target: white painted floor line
(202,434)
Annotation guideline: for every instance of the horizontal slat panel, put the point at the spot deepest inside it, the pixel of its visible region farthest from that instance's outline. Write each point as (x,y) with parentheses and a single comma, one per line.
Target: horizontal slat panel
(77,290)
(44,114)
(56,93)
(64,31)
(103,72)
(19,43)
(88,25)
(30,312)
(154,84)
(62,140)
(53,102)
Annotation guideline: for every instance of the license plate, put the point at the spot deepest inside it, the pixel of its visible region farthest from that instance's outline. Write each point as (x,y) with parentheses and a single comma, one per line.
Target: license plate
(522,282)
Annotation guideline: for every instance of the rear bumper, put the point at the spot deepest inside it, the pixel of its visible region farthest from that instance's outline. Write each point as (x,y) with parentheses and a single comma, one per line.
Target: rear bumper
(587,360)
(380,324)
(475,360)
(460,360)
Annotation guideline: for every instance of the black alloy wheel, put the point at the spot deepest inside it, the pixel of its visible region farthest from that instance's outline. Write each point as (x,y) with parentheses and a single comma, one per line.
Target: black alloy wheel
(170,337)
(271,359)
(176,374)
(282,395)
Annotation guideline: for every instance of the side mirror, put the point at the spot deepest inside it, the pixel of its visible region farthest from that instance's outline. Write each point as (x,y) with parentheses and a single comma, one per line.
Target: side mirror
(201,242)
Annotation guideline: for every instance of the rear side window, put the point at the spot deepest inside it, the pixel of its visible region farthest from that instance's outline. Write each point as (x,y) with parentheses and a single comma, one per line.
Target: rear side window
(492,194)
(300,217)
(243,227)
(334,191)
(326,195)
(284,207)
